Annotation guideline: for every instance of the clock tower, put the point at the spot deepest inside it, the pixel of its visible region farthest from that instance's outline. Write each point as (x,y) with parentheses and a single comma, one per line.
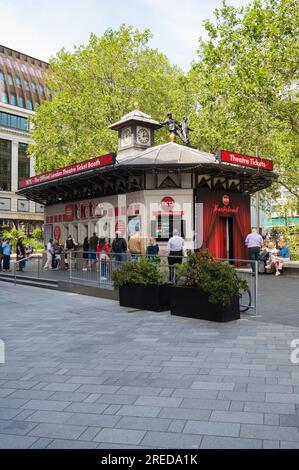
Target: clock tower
(135,133)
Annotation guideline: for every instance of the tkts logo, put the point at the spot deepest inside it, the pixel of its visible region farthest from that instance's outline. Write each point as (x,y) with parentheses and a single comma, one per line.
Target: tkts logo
(167,203)
(225,209)
(225,200)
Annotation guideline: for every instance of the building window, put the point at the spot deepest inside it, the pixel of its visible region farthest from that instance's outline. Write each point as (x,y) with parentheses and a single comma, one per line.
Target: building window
(13,100)
(23,162)
(39,208)
(20,101)
(23,205)
(34,88)
(163,226)
(5,165)
(19,85)
(10,79)
(4,97)
(26,83)
(42,90)
(5,204)
(15,122)
(28,104)
(1,76)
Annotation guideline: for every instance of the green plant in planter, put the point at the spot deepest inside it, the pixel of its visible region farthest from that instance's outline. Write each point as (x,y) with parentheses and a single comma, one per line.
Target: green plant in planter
(216,278)
(141,271)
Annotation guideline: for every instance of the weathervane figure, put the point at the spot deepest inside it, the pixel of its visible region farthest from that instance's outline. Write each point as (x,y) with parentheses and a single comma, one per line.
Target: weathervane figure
(177,129)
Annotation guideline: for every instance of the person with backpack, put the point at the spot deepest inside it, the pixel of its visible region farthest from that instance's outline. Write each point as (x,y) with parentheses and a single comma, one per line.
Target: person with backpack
(119,248)
(93,242)
(69,247)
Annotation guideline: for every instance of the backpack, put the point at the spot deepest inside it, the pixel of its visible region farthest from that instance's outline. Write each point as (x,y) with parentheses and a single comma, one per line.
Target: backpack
(118,246)
(70,244)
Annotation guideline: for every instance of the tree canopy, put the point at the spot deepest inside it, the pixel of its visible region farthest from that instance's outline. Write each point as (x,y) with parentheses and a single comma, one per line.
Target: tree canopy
(243,84)
(239,94)
(94,86)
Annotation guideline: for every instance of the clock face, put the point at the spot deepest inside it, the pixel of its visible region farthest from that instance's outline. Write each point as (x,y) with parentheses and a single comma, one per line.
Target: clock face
(143,136)
(126,136)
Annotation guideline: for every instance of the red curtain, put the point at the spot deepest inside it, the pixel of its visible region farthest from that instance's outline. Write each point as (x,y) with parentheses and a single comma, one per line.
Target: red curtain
(242,229)
(214,225)
(209,216)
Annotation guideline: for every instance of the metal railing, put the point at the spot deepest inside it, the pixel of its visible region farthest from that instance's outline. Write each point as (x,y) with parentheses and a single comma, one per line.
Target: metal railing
(92,269)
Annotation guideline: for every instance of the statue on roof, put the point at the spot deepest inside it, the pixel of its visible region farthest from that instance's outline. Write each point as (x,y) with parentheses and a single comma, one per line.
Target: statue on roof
(177,128)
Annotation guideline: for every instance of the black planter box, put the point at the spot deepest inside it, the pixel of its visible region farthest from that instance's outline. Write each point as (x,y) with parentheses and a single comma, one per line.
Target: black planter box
(152,297)
(193,303)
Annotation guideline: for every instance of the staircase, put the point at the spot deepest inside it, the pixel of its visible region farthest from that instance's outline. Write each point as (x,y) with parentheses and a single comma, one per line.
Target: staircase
(30,281)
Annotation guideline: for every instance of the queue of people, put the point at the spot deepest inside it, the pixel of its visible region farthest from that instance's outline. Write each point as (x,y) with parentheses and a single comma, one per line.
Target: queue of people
(98,252)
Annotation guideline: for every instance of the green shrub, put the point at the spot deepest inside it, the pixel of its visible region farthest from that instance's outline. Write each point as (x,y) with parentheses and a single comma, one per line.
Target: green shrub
(217,278)
(141,271)
(37,233)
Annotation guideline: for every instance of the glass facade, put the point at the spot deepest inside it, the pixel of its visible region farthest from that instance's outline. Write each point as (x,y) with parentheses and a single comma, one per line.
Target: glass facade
(14,122)
(22,79)
(23,162)
(5,165)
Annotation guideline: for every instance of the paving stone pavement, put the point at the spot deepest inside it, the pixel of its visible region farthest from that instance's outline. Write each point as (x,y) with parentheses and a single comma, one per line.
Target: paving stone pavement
(82,372)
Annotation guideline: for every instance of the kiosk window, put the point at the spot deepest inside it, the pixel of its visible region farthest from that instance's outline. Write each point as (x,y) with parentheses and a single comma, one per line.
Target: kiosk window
(164,225)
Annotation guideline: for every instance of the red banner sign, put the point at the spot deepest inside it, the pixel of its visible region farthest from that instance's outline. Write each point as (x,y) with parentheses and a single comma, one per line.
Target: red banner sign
(69,170)
(246,160)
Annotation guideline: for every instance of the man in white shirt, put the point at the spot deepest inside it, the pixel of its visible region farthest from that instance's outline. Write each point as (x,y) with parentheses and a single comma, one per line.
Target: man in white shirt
(48,264)
(254,241)
(175,248)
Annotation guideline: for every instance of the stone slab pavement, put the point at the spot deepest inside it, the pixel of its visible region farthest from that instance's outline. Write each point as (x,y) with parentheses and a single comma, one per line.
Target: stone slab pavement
(82,372)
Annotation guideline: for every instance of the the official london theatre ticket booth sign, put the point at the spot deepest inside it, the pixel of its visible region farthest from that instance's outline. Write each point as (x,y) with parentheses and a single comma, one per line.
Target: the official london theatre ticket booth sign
(156,189)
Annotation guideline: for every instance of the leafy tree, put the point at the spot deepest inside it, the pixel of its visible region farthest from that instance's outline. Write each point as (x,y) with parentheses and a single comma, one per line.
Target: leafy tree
(94,86)
(244,84)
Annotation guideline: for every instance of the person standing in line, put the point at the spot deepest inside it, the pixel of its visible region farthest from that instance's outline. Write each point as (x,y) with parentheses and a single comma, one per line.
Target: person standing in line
(93,242)
(103,256)
(119,248)
(6,247)
(254,242)
(136,244)
(1,252)
(21,254)
(69,247)
(49,249)
(175,248)
(85,254)
(152,250)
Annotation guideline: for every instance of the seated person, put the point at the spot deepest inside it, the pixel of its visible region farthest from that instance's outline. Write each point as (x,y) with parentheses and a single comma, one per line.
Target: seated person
(282,257)
(272,252)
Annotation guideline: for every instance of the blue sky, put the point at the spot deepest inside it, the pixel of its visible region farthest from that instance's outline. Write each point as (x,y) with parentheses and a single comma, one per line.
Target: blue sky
(41,27)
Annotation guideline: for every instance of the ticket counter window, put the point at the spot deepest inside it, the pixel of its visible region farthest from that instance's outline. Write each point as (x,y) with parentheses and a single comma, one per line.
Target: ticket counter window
(164,225)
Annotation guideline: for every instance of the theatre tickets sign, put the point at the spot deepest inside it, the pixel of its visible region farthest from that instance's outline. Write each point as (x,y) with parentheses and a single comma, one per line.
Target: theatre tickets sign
(246,160)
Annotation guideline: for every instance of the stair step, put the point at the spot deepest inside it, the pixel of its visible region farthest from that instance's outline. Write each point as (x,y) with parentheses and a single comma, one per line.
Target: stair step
(28,278)
(25,282)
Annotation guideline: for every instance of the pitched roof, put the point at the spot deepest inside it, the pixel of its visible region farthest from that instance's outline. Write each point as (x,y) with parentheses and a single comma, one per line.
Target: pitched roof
(135,116)
(168,154)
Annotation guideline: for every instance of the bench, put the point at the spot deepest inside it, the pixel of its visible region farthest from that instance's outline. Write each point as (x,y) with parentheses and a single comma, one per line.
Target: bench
(291,267)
